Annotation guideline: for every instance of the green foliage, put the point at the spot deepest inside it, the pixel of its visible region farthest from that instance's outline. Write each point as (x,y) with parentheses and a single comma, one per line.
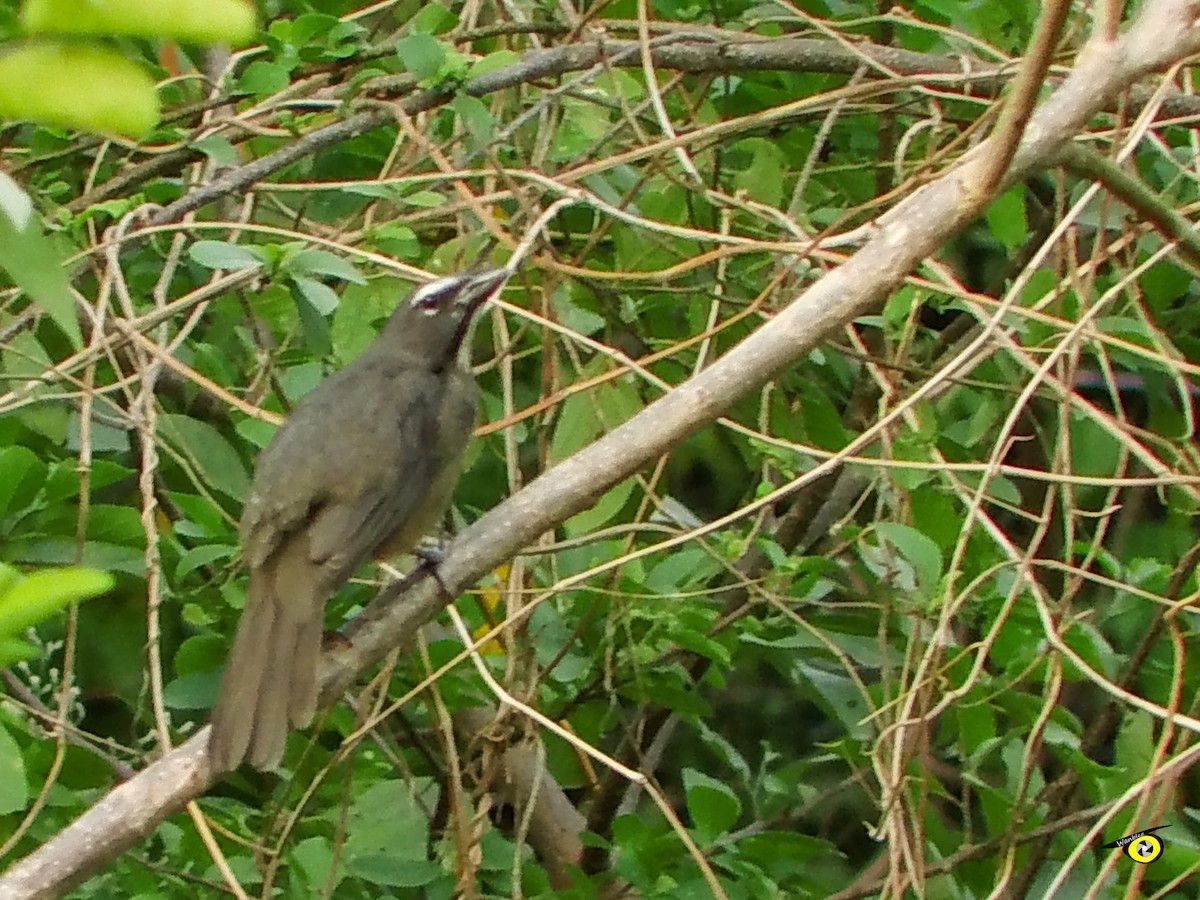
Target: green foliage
(30,259)
(966,638)
(214,21)
(86,85)
(104,91)
(27,600)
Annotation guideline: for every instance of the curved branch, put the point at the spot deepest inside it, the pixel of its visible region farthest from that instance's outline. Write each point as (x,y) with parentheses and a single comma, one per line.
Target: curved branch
(694,53)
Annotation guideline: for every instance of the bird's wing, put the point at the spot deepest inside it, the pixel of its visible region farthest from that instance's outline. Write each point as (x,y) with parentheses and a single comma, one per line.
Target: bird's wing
(400,461)
(344,533)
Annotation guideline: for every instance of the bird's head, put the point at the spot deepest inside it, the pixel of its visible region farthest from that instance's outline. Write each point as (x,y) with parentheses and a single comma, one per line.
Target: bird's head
(435,322)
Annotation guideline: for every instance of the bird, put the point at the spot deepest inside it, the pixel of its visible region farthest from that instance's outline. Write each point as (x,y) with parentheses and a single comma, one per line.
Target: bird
(363,468)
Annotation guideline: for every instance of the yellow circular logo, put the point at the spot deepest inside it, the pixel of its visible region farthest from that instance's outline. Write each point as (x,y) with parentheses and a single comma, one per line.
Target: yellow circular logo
(1145,849)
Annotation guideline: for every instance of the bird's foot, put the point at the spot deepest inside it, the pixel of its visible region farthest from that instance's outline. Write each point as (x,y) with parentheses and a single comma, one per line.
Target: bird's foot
(431,553)
(430,557)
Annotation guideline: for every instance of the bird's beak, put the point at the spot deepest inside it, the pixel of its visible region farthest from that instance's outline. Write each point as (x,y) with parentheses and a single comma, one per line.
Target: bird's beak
(481,287)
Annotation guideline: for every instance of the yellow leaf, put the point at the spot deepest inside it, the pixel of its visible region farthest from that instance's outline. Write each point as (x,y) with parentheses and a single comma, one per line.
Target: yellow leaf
(202,21)
(77,86)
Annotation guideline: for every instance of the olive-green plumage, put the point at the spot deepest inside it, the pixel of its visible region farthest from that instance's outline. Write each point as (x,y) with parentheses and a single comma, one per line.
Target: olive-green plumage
(362,468)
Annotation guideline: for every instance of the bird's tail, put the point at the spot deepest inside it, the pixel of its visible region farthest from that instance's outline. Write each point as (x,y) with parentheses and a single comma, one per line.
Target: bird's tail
(270,681)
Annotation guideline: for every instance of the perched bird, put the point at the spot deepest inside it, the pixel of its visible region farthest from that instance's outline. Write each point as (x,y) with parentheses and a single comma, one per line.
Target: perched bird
(362,468)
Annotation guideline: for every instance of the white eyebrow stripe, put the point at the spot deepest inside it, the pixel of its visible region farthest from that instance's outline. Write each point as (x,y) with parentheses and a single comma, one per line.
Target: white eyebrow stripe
(432,291)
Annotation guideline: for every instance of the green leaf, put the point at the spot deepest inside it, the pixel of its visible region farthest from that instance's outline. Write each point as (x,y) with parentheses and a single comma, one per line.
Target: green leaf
(322,262)
(584,416)
(389,870)
(609,505)
(679,698)
(14,787)
(424,199)
(580,127)
(713,807)
(920,552)
(698,642)
(263,78)
(493,62)
(572,315)
(1093,648)
(197,690)
(213,457)
(103,436)
(575,428)
(316,294)
(15,203)
(783,853)
(975,725)
(421,54)
(14,650)
(21,477)
(314,323)
(24,357)
(201,653)
(762,179)
(42,594)
(432,18)
(973,419)
(837,696)
(353,326)
(1163,284)
(217,148)
(63,551)
(78,86)
(1135,746)
(33,263)
(937,516)
(322,37)
(1006,217)
(314,858)
(477,118)
(200,21)
(221,255)
(679,571)
(397,239)
(822,420)
(9,576)
(197,557)
(863,649)
(370,189)
(385,823)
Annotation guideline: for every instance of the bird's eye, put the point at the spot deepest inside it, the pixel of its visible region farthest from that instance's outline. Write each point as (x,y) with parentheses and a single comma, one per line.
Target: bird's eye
(431,298)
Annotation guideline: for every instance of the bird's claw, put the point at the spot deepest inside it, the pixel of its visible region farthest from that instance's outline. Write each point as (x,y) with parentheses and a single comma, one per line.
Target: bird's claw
(430,557)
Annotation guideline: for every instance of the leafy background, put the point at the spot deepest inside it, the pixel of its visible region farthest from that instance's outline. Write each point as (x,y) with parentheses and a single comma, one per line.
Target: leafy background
(848,688)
